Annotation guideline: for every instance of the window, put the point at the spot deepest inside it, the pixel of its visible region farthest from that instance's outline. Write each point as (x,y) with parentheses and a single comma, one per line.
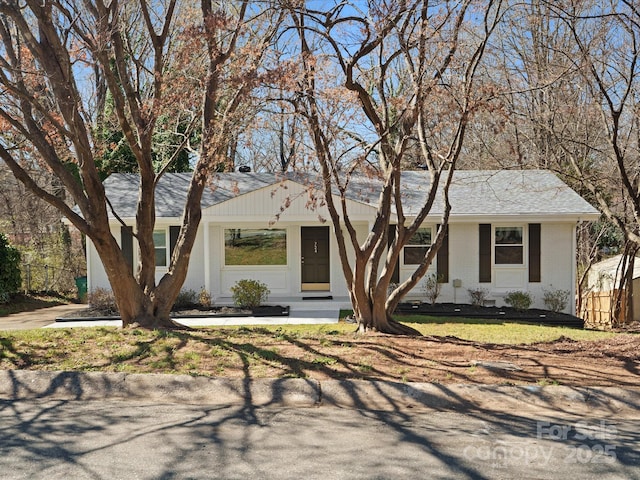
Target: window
(508,246)
(160,243)
(417,246)
(247,246)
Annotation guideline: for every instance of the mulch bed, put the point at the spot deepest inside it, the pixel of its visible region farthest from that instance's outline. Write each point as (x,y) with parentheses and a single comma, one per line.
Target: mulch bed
(261,311)
(192,312)
(532,315)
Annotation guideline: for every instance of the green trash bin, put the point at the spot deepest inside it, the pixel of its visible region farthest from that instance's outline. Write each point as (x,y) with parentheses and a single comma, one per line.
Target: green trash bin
(81,284)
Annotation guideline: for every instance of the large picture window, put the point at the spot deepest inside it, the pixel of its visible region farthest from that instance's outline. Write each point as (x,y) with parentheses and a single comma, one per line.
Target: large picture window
(160,243)
(508,246)
(253,246)
(417,246)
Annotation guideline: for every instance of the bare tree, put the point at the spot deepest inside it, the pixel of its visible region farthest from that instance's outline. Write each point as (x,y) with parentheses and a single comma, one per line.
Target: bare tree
(141,50)
(408,71)
(607,39)
(571,73)
(543,114)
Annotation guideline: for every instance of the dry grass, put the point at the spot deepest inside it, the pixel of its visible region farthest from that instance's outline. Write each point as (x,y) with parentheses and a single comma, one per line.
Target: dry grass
(567,356)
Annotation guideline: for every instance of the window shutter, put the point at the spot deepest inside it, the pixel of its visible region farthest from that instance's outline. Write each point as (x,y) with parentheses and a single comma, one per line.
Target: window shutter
(174,231)
(534,253)
(396,269)
(485,253)
(126,245)
(442,260)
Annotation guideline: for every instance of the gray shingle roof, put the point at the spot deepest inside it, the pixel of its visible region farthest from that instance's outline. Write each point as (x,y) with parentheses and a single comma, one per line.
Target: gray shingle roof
(473,192)
(501,192)
(171,191)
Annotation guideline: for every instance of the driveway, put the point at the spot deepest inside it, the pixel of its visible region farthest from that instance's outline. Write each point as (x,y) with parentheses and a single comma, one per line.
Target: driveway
(37,318)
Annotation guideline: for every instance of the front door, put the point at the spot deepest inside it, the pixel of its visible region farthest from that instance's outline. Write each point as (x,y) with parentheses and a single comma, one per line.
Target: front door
(315,258)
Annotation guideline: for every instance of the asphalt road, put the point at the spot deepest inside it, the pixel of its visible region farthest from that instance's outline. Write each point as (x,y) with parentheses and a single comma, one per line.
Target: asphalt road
(115,439)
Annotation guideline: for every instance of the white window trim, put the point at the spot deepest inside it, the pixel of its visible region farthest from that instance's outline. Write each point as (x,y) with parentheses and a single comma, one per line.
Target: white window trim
(414,265)
(223,255)
(166,247)
(525,246)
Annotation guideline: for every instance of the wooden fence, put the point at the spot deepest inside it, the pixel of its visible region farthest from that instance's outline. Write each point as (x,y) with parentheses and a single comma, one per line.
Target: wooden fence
(598,309)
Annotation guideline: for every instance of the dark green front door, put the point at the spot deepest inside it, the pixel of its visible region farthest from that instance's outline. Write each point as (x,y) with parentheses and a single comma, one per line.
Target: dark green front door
(315,258)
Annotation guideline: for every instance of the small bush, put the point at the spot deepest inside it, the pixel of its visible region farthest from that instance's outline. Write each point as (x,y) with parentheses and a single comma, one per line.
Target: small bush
(249,293)
(519,300)
(204,298)
(477,296)
(555,300)
(4,297)
(432,287)
(10,270)
(186,298)
(103,300)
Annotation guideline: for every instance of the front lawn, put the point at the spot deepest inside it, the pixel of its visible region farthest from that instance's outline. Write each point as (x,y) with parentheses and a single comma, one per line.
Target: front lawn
(452,352)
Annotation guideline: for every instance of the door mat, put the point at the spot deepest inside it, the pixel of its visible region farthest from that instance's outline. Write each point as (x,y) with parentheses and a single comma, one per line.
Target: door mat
(326,297)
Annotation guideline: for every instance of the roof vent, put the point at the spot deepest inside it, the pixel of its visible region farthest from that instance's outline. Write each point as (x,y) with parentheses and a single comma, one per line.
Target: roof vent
(244,169)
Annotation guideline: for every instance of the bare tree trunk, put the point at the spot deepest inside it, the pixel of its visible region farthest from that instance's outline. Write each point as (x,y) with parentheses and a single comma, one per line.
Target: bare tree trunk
(395,117)
(140,80)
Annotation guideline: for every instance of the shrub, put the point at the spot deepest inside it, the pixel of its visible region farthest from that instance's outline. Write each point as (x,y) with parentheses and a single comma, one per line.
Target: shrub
(432,287)
(519,300)
(249,293)
(186,298)
(555,300)
(10,272)
(477,296)
(103,300)
(204,298)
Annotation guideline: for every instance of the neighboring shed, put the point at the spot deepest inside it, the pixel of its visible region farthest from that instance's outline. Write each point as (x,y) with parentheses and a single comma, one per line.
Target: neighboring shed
(602,284)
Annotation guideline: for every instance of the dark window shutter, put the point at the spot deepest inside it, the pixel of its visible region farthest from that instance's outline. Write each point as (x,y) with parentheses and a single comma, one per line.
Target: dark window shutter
(485,253)
(126,244)
(534,253)
(442,260)
(174,231)
(396,269)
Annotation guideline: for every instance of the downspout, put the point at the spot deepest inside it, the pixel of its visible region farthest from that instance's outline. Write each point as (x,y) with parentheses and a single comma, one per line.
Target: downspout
(574,268)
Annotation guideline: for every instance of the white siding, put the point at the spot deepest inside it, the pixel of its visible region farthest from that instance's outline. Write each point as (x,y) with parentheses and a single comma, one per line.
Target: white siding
(556,259)
(557,262)
(195,275)
(556,266)
(282,280)
(463,265)
(463,262)
(286,202)
(338,282)
(96,275)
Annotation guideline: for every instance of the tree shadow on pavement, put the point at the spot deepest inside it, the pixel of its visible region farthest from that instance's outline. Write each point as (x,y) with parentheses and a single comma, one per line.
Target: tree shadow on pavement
(413,433)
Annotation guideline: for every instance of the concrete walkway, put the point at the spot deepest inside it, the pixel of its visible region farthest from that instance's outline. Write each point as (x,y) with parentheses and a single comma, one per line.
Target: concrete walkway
(299,317)
(300,313)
